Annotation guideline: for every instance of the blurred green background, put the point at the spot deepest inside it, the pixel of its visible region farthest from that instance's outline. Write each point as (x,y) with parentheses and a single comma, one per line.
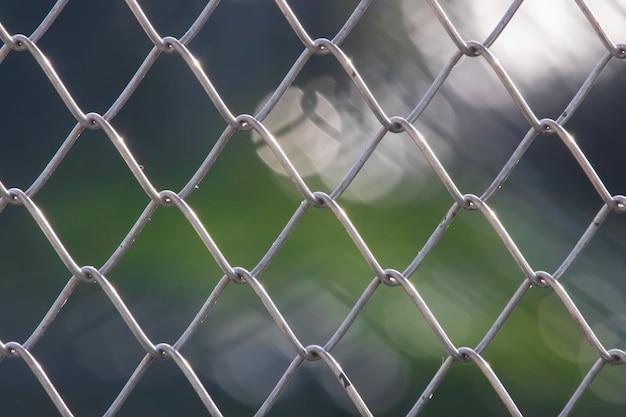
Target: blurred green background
(170,125)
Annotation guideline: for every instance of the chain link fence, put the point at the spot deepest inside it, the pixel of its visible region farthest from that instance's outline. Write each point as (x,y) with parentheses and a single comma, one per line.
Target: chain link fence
(606,355)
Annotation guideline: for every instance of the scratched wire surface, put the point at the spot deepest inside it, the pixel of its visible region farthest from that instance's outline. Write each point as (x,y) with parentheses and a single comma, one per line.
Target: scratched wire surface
(606,355)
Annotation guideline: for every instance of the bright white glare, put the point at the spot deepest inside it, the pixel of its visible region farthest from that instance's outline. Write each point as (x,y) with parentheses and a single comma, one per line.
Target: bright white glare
(324,133)
(545,40)
(306,127)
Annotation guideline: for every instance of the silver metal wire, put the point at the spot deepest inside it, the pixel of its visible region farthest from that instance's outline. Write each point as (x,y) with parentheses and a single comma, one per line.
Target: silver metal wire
(311,199)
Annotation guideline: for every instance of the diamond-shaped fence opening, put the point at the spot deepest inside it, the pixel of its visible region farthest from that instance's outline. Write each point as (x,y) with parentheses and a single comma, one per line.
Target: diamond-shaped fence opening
(398,276)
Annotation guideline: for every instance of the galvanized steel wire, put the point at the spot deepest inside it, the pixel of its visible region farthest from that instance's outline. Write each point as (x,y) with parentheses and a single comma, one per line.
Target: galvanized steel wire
(612,203)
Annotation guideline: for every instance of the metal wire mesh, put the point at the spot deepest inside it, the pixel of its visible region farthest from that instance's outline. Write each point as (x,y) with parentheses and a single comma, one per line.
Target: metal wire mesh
(311,199)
